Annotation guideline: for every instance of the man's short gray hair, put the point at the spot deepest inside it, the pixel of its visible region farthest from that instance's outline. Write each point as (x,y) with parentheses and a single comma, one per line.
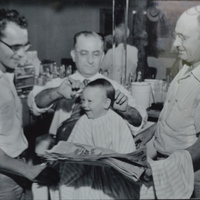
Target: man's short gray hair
(87,34)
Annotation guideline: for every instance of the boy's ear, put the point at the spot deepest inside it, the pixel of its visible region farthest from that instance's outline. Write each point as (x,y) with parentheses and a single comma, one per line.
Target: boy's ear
(72,53)
(107,103)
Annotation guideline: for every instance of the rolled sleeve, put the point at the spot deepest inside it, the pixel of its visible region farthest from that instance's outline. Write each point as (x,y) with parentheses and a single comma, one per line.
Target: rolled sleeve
(143,113)
(140,109)
(132,104)
(36,90)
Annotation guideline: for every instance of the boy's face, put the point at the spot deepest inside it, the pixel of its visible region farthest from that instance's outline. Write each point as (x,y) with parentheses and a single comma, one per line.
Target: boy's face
(94,102)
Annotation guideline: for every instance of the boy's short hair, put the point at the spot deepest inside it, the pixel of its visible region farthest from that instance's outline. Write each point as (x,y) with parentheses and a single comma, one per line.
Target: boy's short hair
(103,83)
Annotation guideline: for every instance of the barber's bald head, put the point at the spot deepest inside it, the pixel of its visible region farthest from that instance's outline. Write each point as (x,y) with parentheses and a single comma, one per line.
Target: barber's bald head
(192,15)
(187,36)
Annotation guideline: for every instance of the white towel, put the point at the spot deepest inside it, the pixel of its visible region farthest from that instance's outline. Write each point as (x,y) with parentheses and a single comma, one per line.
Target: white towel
(173,177)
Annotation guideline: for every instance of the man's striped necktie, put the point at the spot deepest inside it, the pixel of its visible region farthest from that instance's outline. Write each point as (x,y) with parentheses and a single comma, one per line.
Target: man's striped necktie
(77,109)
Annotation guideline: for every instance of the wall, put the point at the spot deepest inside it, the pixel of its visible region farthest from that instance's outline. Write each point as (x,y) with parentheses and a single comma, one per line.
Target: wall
(161,63)
(171,11)
(52,24)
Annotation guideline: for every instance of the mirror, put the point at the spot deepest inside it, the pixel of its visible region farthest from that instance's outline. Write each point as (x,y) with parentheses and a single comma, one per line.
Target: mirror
(53,23)
(119,46)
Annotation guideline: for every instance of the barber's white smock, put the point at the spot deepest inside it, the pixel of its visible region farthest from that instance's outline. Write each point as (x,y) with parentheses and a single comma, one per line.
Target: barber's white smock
(178,123)
(12,139)
(64,107)
(116,65)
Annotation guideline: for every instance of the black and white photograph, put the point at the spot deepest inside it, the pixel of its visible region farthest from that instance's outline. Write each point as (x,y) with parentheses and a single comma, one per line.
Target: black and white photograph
(99,99)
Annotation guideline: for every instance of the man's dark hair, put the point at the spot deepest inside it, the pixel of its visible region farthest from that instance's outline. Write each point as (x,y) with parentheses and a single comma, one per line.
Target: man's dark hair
(87,34)
(7,16)
(106,85)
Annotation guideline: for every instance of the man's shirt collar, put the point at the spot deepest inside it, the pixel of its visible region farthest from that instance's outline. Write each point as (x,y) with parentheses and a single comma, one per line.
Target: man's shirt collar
(195,72)
(81,77)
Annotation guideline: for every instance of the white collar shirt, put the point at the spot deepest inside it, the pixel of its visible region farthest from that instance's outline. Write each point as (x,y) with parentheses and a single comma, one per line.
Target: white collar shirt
(12,139)
(116,65)
(178,123)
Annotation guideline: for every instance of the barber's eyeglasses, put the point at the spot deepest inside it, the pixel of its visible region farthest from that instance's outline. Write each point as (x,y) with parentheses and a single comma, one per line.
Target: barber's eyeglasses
(181,37)
(85,54)
(16,48)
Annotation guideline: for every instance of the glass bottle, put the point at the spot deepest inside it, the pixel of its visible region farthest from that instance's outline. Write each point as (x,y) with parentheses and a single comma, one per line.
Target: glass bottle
(139,77)
(69,70)
(55,70)
(123,81)
(130,80)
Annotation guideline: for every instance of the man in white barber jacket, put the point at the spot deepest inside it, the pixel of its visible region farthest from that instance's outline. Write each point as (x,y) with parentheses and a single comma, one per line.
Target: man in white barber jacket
(87,55)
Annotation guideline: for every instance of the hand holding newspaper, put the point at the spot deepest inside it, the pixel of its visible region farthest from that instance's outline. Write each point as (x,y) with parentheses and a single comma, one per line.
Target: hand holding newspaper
(131,165)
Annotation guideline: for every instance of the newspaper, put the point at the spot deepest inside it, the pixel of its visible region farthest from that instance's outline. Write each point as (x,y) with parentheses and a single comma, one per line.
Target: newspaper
(131,165)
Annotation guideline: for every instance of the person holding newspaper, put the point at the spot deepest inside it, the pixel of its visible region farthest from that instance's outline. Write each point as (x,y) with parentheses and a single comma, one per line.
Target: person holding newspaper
(87,54)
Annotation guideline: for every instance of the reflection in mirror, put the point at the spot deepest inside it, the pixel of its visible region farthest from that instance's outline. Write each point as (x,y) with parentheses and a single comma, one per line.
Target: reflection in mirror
(128,56)
(52,36)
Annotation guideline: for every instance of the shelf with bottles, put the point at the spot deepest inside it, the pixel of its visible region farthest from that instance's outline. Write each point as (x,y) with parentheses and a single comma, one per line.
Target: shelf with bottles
(25,83)
(24,71)
(50,70)
(24,86)
(23,91)
(24,79)
(24,76)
